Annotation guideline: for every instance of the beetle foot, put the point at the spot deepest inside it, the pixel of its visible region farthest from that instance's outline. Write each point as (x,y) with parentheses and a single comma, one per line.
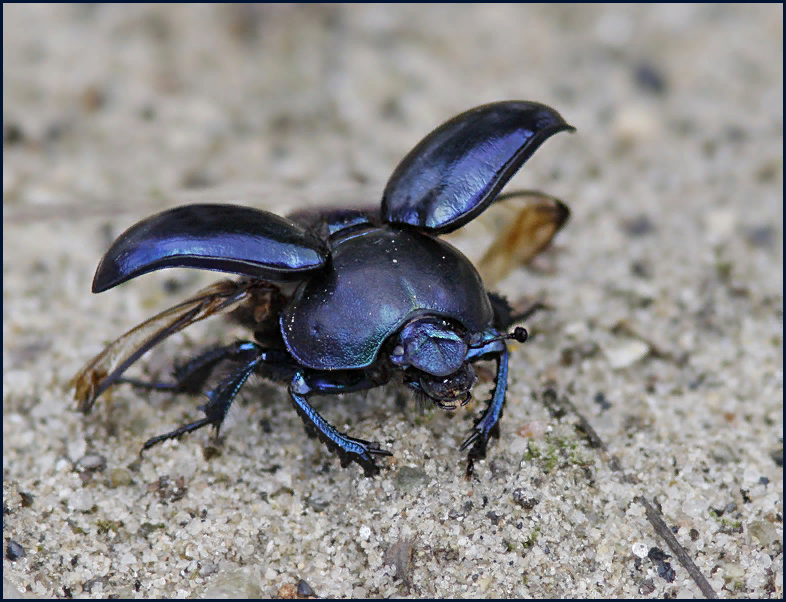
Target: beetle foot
(478,451)
(364,458)
(351,450)
(479,441)
(348,448)
(220,398)
(178,432)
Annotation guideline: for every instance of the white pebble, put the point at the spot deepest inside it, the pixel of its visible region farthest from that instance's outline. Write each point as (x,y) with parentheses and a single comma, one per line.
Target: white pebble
(720,224)
(626,354)
(640,549)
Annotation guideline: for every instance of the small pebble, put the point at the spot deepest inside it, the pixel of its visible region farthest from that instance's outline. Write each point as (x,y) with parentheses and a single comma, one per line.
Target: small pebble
(720,224)
(638,225)
(761,236)
(12,133)
(777,456)
(409,478)
(600,399)
(493,517)
(400,556)
(238,583)
(733,571)
(119,477)
(640,549)
(626,354)
(14,551)
(764,532)
(77,447)
(92,462)
(649,79)
(287,592)
(304,589)
(635,124)
(523,499)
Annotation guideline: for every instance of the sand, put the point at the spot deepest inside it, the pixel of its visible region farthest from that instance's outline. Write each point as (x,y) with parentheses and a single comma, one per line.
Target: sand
(666,292)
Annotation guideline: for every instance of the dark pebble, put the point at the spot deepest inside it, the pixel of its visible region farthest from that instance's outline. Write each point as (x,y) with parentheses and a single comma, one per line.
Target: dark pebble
(304,589)
(14,551)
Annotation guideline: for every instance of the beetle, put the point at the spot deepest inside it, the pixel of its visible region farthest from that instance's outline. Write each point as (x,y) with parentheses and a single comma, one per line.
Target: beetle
(341,300)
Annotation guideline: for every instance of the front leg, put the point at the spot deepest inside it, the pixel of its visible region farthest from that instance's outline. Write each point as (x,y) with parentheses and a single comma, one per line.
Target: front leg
(488,424)
(348,448)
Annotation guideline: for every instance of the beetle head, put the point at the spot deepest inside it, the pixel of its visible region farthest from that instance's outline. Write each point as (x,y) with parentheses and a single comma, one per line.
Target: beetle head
(434,351)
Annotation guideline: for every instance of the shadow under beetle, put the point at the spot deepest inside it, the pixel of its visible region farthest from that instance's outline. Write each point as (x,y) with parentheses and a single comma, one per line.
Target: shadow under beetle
(376,293)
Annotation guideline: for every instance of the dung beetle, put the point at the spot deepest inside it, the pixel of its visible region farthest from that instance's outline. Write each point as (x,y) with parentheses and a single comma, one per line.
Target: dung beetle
(341,300)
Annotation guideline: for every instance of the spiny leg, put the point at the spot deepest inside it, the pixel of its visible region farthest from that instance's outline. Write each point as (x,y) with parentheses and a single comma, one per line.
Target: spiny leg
(349,449)
(488,424)
(504,314)
(191,377)
(250,355)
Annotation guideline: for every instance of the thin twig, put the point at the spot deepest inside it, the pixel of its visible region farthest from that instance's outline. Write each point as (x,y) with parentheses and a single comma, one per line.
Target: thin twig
(679,552)
(652,514)
(592,434)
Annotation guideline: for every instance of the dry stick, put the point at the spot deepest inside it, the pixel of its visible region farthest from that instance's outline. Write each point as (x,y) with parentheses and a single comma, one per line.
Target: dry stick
(682,555)
(594,438)
(652,514)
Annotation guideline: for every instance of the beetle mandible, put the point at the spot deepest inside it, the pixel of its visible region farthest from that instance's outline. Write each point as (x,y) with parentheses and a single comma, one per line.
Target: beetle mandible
(376,292)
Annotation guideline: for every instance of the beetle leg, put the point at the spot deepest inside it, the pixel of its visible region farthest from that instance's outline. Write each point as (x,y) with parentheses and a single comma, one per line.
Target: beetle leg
(488,424)
(191,377)
(251,355)
(349,449)
(505,315)
(107,367)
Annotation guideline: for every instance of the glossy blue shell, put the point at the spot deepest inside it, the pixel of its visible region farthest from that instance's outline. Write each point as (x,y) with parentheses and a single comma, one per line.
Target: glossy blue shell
(224,238)
(377,280)
(456,171)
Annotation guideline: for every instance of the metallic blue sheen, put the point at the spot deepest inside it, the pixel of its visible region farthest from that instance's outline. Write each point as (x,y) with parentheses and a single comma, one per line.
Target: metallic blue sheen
(375,282)
(376,293)
(483,427)
(224,238)
(433,348)
(325,222)
(494,412)
(298,390)
(456,172)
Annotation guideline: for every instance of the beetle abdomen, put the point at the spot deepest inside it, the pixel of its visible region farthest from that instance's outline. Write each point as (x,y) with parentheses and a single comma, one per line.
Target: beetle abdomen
(374,282)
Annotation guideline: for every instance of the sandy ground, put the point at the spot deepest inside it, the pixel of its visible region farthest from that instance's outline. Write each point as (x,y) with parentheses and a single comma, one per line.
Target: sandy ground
(666,288)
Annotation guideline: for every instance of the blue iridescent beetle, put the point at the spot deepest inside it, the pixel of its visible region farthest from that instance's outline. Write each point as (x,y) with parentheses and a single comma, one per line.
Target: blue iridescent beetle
(376,294)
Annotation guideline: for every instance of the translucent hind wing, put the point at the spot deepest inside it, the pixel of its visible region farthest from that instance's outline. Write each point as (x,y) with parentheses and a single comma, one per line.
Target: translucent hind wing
(107,367)
(529,232)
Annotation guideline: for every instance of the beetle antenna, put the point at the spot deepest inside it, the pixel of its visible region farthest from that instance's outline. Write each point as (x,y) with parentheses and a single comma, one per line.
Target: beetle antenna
(519,334)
